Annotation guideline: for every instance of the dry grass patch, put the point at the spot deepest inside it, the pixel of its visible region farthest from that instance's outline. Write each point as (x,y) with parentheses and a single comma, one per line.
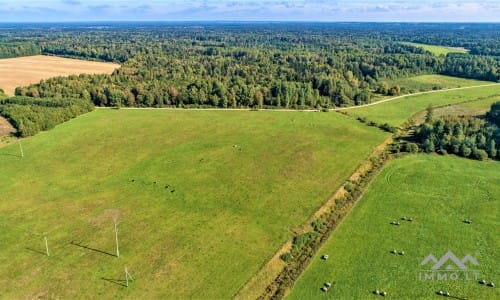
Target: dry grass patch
(5,128)
(22,71)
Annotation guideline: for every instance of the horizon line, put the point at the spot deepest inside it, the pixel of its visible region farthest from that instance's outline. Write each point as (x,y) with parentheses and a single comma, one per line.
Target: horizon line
(247,21)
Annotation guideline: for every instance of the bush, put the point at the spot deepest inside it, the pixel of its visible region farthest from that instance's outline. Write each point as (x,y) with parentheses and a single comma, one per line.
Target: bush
(442,151)
(479,154)
(349,187)
(388,128)
(411,148)
(465,151)
(317,225)
(286,257)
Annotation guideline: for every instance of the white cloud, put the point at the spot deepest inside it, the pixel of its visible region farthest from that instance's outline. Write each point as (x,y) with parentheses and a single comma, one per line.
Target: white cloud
(312,10)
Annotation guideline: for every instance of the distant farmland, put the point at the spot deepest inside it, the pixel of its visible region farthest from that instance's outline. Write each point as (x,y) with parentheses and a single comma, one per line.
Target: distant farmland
(27,70)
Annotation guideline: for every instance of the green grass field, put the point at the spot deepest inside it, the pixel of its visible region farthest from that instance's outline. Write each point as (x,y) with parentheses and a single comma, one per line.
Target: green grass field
(438,193)
(433,82)
(438,50)
(474,108)
(400,110)
(482,105)
(229,186)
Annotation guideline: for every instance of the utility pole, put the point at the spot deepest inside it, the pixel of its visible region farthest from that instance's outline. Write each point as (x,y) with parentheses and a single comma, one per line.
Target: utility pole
(47,246)
(20,147)
(127,276)
(116,238)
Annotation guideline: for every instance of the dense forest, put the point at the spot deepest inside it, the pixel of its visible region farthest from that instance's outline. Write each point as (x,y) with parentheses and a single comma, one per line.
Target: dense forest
(261,65)
(466,136)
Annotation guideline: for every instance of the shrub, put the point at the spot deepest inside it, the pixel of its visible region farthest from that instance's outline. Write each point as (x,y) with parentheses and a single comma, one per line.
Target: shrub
(317,225)
(442,151)
(411,147)
(349,187)
(479,154)
(388,128)
(286,257)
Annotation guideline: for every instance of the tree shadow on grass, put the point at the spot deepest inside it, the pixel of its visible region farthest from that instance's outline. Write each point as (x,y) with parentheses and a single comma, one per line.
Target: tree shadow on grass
(92,249)
(120,282)
(36,251)
(10,154)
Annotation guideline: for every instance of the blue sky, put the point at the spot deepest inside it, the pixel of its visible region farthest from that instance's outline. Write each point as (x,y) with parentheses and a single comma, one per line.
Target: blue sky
(260,10)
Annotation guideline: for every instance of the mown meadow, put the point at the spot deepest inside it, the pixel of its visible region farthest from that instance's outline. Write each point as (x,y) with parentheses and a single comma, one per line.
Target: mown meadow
(438,193)
(202,198)
(398,111)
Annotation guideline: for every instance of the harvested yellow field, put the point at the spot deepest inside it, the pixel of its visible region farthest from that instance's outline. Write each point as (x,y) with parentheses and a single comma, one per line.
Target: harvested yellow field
(22,71)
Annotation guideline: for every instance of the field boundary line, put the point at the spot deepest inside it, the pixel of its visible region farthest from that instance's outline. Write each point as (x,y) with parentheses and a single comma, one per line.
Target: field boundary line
(303,110)
(247,290)
(327,205)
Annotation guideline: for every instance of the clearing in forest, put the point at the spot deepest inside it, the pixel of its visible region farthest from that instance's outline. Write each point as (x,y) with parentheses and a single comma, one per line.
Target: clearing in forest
(22,71)
(438,50)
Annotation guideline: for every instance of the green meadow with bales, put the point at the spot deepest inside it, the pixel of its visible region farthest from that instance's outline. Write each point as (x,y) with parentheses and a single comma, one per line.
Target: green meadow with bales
(438,194)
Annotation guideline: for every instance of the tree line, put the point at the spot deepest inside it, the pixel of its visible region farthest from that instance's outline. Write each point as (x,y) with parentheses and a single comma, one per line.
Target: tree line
(31,115)
(466,136)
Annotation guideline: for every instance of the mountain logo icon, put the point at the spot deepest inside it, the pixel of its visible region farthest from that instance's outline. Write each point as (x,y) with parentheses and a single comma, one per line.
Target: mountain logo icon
(449,261)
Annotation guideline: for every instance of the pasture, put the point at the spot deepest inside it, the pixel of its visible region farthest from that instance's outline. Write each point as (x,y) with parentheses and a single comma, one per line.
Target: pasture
(22,71)
(433,82)
(438,50)
(474,108)
(398,111)
(439,194)
(203,199)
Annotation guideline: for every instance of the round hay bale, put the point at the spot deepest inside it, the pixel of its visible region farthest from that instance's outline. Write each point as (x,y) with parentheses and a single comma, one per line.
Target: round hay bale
(394,251)
(482,281)
(327,284)
(440,292)
(324,289)
(491,284)
(447,294)
(376,292)
(410,219)
(384,293)
(402,253)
